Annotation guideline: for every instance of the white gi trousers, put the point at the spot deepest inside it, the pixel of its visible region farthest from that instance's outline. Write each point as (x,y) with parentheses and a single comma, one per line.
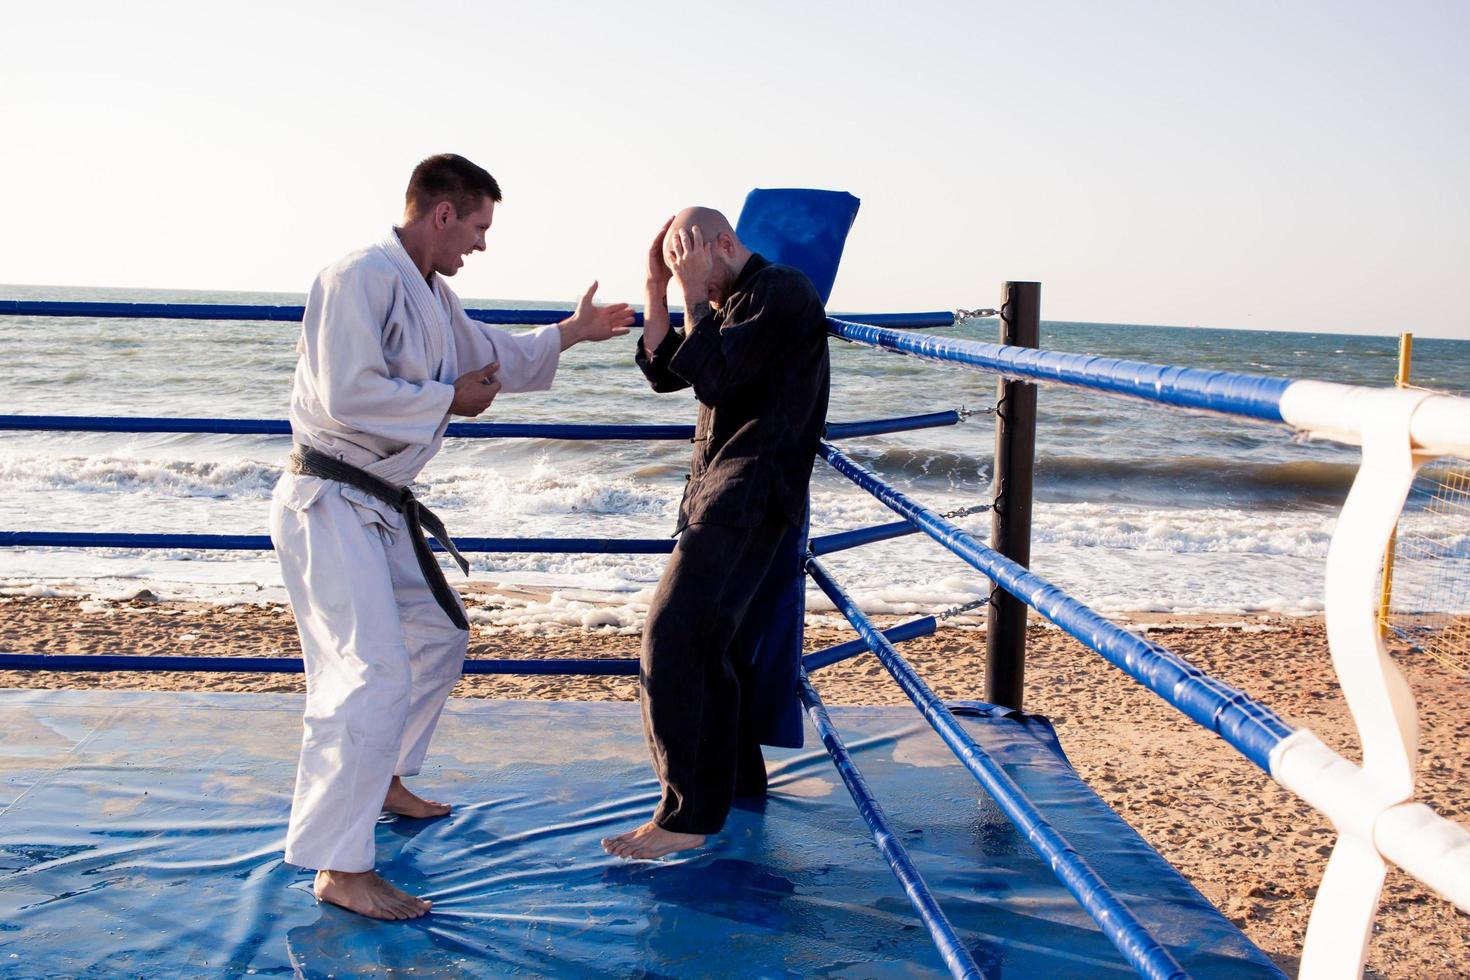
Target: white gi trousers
(381,658)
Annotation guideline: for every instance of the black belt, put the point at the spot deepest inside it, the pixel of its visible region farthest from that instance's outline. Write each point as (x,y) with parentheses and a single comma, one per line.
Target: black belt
(312,462)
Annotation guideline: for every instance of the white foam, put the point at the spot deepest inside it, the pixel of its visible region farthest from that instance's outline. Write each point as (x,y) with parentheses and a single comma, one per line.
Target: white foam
(559,610)
(27,473)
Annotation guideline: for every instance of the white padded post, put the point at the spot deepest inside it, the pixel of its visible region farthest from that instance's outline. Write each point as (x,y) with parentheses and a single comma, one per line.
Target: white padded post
(1377,694)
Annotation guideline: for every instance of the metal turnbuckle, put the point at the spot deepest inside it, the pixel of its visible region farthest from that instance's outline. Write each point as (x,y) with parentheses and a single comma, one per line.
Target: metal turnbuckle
(965,413)
(960,610)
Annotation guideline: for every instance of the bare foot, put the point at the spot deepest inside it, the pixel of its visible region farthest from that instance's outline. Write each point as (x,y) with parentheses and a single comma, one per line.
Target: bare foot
(367,894)
(406,804)
(650,841)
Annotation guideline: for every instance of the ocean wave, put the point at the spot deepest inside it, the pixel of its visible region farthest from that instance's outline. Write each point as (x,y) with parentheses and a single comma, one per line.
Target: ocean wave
(1173,480)
(1182,480)
(543,489)
(549,490)
(1193,531)
(243,479)
(929,466)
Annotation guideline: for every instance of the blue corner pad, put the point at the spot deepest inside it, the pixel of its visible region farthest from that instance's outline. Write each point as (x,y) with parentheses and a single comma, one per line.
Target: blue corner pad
(802,228)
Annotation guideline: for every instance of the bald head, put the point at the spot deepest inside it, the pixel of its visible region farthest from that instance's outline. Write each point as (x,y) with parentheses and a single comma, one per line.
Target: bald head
(728,253)
(711,223)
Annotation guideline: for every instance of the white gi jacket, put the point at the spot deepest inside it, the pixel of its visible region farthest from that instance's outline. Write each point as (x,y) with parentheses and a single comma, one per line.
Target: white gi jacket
(380,349)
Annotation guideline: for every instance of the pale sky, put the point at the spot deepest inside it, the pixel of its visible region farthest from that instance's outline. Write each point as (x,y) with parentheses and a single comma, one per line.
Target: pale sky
(1298,166)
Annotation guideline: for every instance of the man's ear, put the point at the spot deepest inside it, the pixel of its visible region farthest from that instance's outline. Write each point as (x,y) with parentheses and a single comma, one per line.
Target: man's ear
(725,242)
(443,214)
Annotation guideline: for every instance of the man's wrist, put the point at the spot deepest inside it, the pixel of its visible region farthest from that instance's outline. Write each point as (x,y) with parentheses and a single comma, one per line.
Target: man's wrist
(694,311)
(695,298)
(571,332)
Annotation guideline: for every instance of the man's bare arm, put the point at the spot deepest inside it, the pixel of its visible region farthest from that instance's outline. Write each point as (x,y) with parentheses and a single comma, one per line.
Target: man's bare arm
(656,306)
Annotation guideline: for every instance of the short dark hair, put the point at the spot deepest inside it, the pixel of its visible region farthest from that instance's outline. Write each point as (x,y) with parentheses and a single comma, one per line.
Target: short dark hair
(449,177)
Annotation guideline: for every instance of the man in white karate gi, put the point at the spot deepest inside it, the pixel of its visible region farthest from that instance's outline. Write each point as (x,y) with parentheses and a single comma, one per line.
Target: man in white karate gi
(387,356)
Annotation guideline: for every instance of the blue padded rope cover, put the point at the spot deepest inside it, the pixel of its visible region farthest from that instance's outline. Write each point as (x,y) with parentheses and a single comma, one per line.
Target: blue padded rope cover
(601,666)
(537,546)
(805,229)
(1138,946)
(281,427)
(904,321)
(877,427)
(1245,723)
(913,629)
(233,311)
(1251,395)
(116,663)
(462,430)
(261,542)
(287,314)
(843,540)
(951,948)
(151,311)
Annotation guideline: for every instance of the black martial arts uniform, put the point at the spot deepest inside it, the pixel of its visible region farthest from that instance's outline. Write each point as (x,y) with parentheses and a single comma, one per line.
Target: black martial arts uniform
(758,366)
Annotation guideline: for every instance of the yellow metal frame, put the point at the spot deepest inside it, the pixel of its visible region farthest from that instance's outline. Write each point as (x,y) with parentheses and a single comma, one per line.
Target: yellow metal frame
(1385,596)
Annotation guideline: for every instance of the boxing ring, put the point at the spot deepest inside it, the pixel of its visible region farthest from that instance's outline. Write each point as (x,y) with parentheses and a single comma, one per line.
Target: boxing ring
(141,833)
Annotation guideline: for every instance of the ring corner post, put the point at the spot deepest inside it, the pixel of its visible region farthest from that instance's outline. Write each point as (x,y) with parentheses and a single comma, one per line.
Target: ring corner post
(1010,517)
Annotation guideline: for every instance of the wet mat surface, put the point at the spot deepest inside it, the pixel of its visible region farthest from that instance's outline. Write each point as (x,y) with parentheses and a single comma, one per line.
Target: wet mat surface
(141,834)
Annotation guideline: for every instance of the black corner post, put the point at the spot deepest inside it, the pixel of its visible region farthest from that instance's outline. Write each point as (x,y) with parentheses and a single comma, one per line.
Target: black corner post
(1010,517)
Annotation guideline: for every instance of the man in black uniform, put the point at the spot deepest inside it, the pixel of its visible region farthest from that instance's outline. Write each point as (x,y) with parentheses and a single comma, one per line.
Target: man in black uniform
(754,349)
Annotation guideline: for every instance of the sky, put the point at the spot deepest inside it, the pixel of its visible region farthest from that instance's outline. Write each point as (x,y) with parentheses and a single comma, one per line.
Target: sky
(1292,166)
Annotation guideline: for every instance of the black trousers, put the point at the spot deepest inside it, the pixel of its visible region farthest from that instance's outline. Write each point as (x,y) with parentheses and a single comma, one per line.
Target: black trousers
(690,682)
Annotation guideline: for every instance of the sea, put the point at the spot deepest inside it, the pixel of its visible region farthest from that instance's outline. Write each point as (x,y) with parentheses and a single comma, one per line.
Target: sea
(1139,508)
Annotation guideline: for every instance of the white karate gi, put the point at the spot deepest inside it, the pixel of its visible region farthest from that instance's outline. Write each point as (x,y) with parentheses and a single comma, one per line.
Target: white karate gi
(380,349)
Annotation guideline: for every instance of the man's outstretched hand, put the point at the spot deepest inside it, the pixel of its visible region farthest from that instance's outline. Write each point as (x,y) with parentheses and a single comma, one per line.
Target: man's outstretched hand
(475,390)
(591,322)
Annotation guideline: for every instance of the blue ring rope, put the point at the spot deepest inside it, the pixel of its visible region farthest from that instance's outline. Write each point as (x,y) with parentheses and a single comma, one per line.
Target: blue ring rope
(1240,720)
(822,545)
(463,430)
(946,939)
(1251,395)
(1132,938)
(289,314)
(594,666)
(842,540)
(114,663)
(911,630)
(262,542)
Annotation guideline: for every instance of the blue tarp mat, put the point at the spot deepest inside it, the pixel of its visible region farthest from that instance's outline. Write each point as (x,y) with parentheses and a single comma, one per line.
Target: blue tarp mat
(141,834)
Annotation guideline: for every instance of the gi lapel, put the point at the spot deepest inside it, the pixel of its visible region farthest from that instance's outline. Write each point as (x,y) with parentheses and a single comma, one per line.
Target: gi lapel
(426,307)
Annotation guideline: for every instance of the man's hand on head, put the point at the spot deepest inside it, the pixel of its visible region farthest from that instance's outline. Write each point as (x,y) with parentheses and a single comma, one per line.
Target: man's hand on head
(475,390)
(656,306)
(693,262)
(659,272)
(592,322)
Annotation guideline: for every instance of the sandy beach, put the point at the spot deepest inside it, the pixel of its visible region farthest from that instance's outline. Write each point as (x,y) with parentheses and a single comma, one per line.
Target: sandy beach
(1248,845)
